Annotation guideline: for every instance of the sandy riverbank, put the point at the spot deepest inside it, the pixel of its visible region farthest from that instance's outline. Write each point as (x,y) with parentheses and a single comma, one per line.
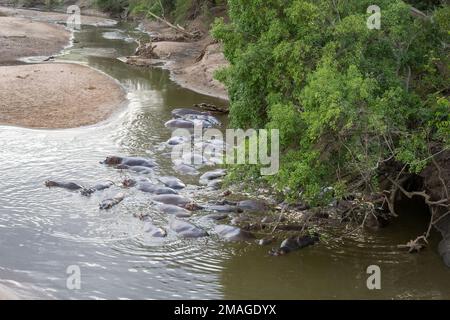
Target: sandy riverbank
(192,63)
(56,95)
(50,95)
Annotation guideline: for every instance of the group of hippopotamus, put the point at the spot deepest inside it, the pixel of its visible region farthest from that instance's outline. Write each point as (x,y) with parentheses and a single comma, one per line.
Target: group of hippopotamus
(166,195)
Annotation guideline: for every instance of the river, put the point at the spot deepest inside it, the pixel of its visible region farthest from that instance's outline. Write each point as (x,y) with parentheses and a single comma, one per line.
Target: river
(43,232)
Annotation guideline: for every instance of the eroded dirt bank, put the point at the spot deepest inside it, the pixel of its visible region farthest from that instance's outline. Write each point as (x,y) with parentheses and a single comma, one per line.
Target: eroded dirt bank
(192,63)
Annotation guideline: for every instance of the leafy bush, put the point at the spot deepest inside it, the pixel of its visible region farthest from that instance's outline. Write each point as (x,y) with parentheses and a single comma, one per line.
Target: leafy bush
(346,99)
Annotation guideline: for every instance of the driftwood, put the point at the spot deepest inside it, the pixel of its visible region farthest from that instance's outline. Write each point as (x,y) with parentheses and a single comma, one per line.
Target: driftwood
(175,27)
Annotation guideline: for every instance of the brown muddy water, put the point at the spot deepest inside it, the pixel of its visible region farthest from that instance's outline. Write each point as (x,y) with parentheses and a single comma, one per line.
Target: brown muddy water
(43,231)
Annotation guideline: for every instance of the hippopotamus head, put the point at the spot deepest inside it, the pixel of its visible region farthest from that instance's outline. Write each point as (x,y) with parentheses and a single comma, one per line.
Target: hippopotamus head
(113,160)
(193,207)
(128,183)
(49,183)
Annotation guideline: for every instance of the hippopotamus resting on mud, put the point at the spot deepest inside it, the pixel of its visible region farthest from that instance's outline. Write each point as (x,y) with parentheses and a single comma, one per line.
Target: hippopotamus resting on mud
(187,230)
(172,182)
(129,161)
(172,199)
(149,187)
(230,233)
(174,210)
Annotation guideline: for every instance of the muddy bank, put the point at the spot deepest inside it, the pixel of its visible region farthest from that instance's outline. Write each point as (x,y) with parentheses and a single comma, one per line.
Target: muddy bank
(192,63)
(56,95)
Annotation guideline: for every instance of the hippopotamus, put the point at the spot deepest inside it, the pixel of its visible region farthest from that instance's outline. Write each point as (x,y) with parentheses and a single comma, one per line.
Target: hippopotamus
(172,182)
(186,170)
(216,216)
(177,140)
(154,231)
(149,187)
(215,184)
(186,229)
(181,112)
(65,185)
(111,202)
(179,124)
(97,187)
(174,210)
(222,208)
(129,161)
(230,233)
(193,159)
(173,199)
(295,243)
(137,169)
(212,175)
(206,120)
(252,205)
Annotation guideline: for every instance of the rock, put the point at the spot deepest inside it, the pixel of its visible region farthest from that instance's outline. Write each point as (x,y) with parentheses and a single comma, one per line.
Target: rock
(109,203)
(172,199)
(172,182)
(174,210)
(154,231)
(231,233)
(186,229)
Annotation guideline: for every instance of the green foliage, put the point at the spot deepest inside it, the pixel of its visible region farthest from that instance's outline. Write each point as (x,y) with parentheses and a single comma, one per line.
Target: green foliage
(345,98)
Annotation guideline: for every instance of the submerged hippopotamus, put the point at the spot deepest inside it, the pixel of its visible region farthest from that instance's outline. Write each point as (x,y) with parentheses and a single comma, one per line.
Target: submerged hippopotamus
(137,169)
(111,202)
(154,231)
(295,243)
(172,182)
(172,199)
(129,161)
(97,187)
(65,185)
(230,233)
(186,229)
(174,210)
(149,187)
(179,124)
(177,140)
(181,112)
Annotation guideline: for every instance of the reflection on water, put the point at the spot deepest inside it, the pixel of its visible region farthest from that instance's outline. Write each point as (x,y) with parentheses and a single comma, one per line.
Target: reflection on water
(42,231)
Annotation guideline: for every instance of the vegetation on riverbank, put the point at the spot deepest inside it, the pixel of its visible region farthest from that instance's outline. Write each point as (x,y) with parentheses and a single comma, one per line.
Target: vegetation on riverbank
(349,101)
